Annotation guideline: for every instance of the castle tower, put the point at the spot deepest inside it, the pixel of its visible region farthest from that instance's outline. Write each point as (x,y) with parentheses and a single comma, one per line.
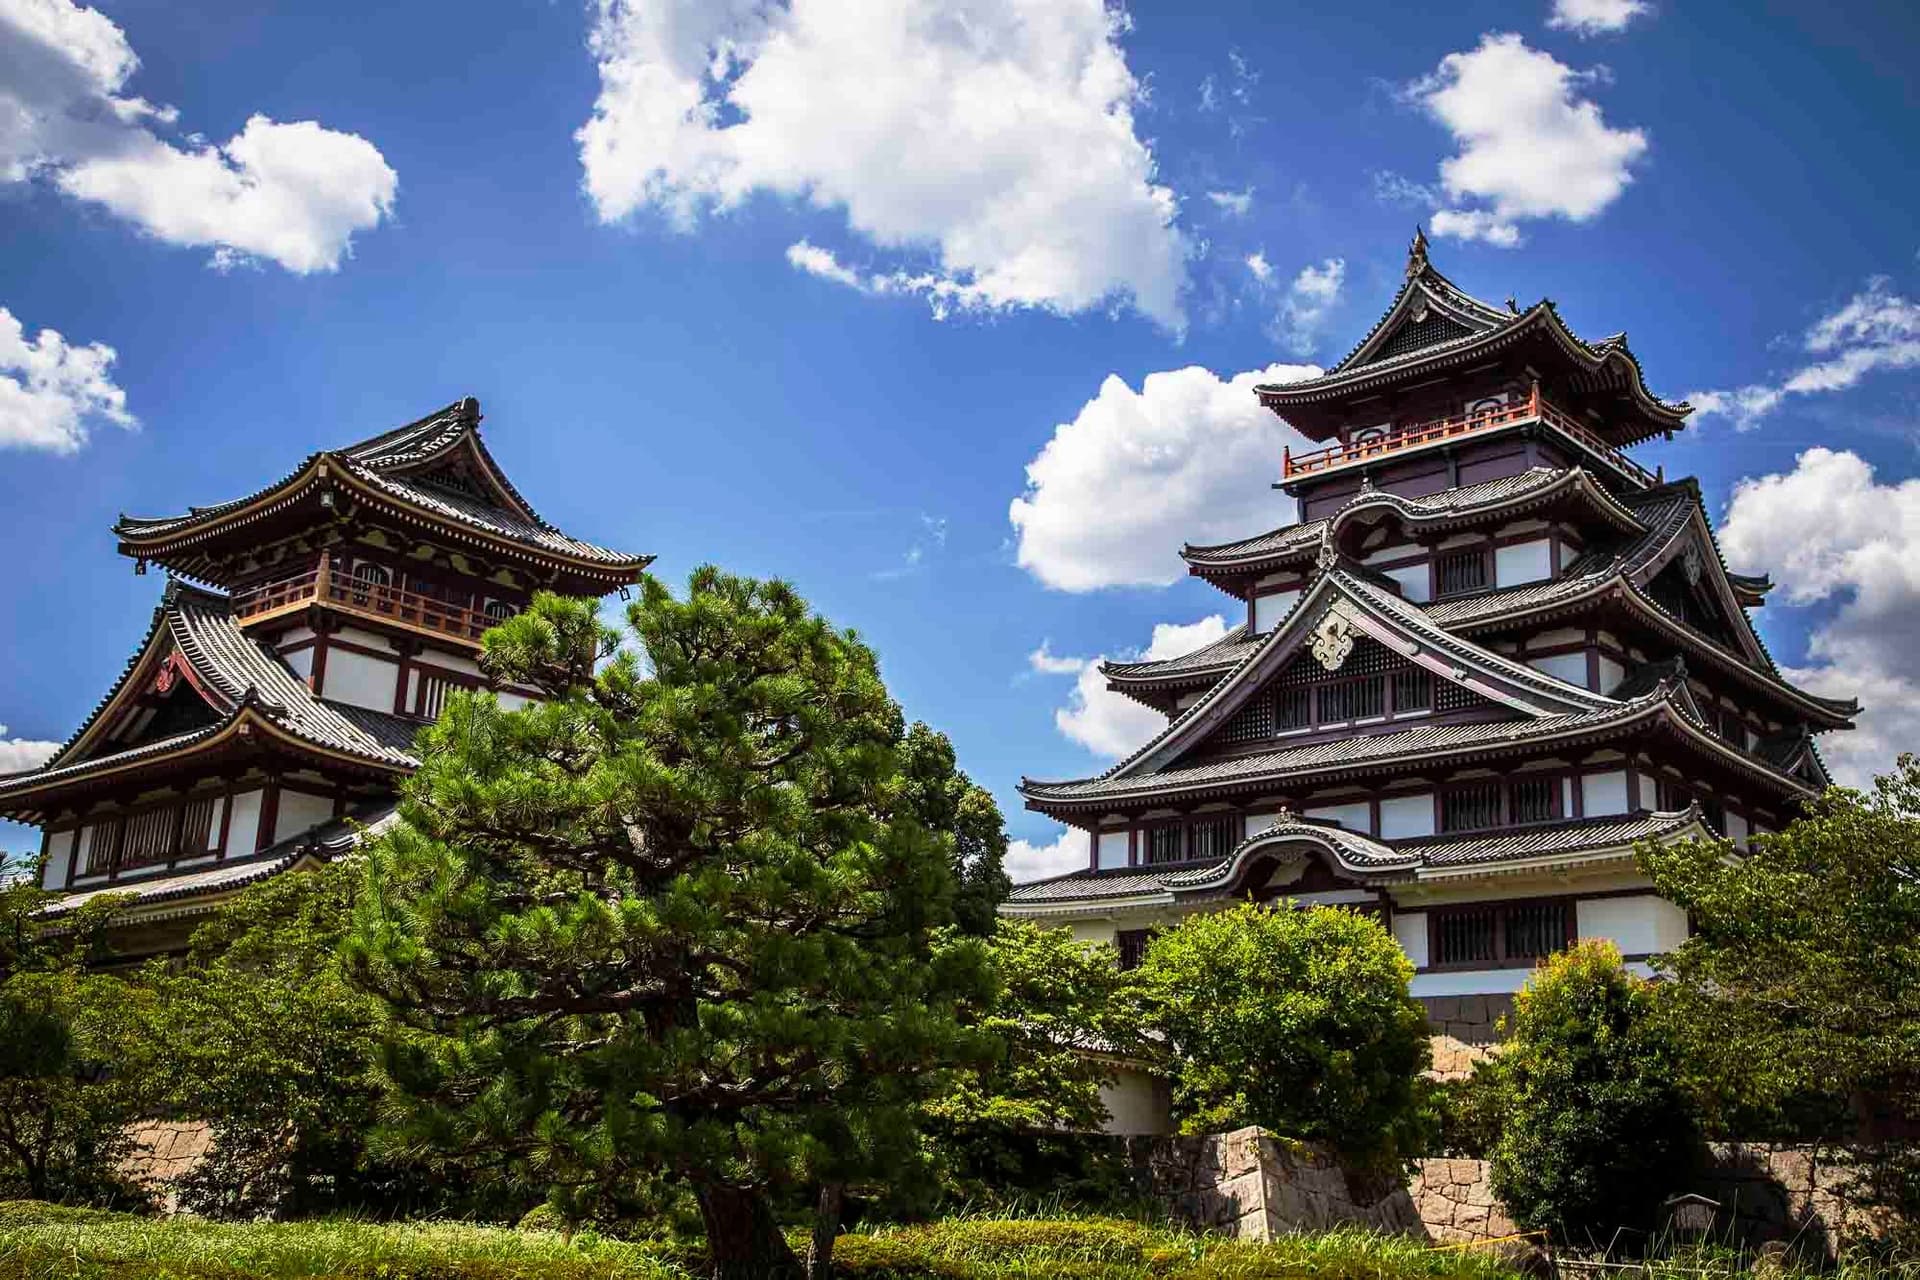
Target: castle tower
(1492,654)
(346,599)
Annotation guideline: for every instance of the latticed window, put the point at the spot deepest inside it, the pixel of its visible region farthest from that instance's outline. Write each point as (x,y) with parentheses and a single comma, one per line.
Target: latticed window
(1293,708)
(1252,723)
(500,610)
(1353,699)
(1462,571)
(196,826)
(1502,933)
(1412,691)
(1215,836)
(1164,843)
(1470,808)
(1454,697)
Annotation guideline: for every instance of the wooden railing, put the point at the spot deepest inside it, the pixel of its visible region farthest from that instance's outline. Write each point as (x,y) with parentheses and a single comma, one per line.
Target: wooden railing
(326,585)
(1534,408)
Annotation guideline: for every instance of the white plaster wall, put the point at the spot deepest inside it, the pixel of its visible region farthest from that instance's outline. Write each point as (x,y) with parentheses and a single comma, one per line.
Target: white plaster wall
(365,639)
(59,858)
(1410,929)
(1638,926)
(452,662)
(358,680)
(1270,610)
(1113,849)
(1603,793)
(301,660)
(244,827)
(511,701)
(1737,829)
(1415,580)
(1100,930)
(1468,982)
(1136,1103)
(1571,667)
(1258,822)
(1522,562)
(300,812)
(1354,817)
(213,823)
(1611,674)
(1333,897)
(1403,817)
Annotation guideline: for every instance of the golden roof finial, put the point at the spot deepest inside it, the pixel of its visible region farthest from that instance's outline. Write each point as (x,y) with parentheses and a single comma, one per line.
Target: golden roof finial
(1417,252)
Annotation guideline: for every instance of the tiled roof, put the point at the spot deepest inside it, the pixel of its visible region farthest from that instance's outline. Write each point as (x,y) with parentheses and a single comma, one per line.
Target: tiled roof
(1541,842)
(1301,540)
(1335,753)
(1223,653)
(391,463)
(237,670)
(1566,839)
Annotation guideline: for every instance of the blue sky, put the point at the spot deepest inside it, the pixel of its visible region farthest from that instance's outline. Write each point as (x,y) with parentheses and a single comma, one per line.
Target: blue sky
(805,292)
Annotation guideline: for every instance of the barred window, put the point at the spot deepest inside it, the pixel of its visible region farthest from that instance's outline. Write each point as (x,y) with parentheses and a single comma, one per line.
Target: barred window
(1500,933)
(1293,708)
(1353,699)
(1164,843)
(1462,571)
(1132,944)
(1533,799)
(1215,836)
(1470,808)
(1412,691)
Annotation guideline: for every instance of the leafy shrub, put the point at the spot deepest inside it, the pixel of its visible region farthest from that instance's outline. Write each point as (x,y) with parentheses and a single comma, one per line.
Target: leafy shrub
(1598,1128)
(1299,1021)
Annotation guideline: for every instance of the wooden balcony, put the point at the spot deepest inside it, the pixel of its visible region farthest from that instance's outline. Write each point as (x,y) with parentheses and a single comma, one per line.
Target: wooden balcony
(1420,435)
(390,605)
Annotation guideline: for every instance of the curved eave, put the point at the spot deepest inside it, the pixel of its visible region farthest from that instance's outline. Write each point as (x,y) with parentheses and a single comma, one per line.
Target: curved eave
(1541,318)
(248,729)
(1828,713)
(181,535)
(1655,711)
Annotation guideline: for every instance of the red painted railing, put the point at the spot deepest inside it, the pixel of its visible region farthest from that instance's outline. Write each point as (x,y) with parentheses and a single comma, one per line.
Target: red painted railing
(1534,408)
(323,585)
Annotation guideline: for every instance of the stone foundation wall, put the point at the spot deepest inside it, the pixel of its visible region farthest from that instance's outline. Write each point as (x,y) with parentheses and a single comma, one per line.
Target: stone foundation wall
(1249,1184)
(164,1151)
(1454,1199)
(1469,1019)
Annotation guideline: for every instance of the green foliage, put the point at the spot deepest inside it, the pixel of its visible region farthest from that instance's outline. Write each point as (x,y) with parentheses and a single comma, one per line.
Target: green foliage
(1598,1130)
(681,919)
(1471,1113)
(74,1050)
(1298,1021)
(1062,1014)
(269,1042)
(1798,993)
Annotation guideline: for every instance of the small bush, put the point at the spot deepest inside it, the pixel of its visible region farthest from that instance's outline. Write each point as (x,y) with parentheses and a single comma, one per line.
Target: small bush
(1598,1129)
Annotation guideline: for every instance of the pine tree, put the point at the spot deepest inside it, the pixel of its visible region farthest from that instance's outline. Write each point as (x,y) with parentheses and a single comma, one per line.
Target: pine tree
(689,918)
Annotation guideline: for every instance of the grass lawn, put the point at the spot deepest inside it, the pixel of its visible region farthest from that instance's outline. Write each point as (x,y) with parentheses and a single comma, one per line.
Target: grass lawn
(42,1241)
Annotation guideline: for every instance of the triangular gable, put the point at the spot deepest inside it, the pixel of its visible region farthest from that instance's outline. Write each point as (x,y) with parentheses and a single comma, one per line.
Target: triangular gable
(1337,611)
(163,691)
(1428,310)
(1689,565)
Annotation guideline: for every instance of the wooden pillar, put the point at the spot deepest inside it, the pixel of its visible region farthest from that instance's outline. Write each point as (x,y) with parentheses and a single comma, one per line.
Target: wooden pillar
(269,814)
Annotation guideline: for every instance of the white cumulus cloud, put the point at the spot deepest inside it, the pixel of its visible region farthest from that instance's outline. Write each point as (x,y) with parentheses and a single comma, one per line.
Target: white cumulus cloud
(1189,457)
(1311,296)
(1257,263)
(52,391)
(1028,861)
(1830,533)
(1875,330)
(292,193)
(1111,724)
(17,755)
(989,143)
(1530,145)
(1235,204)
(1595,17)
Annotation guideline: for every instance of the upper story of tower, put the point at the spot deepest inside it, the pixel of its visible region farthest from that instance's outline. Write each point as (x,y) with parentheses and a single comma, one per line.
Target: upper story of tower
(1446,390)
(415,534)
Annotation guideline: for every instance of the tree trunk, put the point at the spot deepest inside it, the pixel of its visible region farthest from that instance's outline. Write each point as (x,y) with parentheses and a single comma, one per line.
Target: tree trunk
(826,1228)
(742,1237)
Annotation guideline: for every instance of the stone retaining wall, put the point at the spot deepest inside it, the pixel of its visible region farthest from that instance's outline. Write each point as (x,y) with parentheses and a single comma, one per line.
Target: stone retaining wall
(1249,1184)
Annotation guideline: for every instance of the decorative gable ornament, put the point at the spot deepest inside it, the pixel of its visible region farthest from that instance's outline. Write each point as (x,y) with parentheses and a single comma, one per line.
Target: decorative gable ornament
(1333,639)
(1690,563)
